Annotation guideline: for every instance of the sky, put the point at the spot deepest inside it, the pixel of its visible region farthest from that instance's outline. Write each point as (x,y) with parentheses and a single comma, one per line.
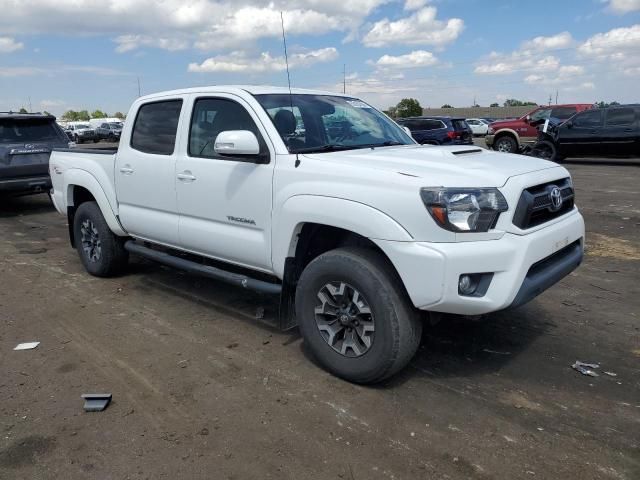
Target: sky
(57,55)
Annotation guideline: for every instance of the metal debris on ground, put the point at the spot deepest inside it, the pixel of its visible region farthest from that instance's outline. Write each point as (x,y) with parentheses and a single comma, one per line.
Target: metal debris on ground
(611,374)
(96,402)
(586,368)
(27,346)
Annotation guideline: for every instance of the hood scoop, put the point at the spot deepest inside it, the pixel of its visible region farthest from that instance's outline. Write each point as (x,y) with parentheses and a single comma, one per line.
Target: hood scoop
(467,152)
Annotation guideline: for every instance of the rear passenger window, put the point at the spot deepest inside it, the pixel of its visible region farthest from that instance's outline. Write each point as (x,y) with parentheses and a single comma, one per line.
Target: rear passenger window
(592,118)
(155,128)
(621,116)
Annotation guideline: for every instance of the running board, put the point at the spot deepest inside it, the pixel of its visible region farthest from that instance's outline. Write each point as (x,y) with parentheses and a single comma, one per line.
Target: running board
(203,270)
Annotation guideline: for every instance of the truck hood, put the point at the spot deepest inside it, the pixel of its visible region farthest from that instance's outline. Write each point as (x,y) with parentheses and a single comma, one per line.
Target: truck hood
(459,166)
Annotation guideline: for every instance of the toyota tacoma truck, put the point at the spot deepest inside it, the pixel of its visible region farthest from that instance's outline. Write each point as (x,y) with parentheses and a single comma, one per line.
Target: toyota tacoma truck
(358,229)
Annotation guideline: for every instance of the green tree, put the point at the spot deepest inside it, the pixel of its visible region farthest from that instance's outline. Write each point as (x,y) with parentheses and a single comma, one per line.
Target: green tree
(512,102)
(83,116)
(446,105)
(602,104)
(70,116)
(119,115)
(494,105)
(408,107)
(99,114)
(23,110)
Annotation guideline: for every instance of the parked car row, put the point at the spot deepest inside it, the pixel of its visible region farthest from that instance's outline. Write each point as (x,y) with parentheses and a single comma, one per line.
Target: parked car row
(81,132)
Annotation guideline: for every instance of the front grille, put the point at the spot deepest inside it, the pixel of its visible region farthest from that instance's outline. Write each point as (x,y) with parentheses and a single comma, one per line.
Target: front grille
(535,206)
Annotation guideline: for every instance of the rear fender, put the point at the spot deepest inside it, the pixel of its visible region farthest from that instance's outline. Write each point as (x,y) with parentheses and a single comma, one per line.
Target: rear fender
(82,178)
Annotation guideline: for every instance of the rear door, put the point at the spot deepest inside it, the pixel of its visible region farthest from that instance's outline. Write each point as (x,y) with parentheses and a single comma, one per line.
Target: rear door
(582,135)
(25,146)
(620,132)
(145,172)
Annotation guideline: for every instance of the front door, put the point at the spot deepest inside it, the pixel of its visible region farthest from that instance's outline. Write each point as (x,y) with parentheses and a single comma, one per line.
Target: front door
(582,135)
(620,131)
(145,173)
(224,202)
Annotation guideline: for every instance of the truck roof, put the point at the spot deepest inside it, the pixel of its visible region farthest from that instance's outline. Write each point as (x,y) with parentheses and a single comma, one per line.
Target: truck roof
(252,89)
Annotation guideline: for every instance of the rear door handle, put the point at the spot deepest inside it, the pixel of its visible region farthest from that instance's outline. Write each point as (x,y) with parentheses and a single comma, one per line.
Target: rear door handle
(126,170)
(186,176)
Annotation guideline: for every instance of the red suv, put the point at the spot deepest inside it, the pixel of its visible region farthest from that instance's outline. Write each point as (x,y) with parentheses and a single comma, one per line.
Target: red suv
(510,135)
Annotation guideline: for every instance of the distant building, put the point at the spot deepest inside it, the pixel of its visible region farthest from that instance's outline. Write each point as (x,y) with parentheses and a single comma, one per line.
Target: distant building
(479,112)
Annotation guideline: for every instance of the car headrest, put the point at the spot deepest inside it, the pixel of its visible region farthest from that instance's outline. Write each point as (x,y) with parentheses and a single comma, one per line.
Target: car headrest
(285,122)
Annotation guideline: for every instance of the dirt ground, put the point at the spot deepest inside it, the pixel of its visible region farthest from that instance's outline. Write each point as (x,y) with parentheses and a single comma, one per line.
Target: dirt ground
(204,388)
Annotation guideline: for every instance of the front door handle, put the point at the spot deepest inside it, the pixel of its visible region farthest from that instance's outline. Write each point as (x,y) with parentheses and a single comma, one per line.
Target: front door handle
(186,176)
(127,170)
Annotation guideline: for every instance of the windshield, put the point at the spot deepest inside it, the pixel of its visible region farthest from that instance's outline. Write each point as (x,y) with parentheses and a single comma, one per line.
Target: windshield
(542,114)
(82,126)
(325,122)
(115,126)
(28,130)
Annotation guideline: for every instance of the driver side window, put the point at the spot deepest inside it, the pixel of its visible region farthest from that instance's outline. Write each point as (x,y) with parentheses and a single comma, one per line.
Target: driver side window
(214,115)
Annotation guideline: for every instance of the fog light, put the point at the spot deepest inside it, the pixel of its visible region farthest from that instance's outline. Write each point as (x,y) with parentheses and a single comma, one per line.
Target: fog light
(466,285)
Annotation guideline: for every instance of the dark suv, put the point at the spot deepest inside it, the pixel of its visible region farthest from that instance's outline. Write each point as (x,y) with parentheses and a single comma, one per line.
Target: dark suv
(26,140)
(439,130)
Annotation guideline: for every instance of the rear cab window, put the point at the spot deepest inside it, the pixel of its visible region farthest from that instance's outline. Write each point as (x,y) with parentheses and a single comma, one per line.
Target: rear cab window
(562,113)
(156,127)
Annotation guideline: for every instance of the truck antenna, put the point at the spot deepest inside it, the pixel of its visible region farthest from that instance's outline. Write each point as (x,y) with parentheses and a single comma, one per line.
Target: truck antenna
(286,59)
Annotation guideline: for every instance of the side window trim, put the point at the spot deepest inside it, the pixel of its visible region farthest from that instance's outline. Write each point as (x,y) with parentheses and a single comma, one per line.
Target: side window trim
(233,158)
(634,112)
(177,134)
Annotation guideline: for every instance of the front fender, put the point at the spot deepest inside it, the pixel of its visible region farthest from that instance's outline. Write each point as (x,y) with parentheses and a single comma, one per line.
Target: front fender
(82,178)
(331,211)
(509,131)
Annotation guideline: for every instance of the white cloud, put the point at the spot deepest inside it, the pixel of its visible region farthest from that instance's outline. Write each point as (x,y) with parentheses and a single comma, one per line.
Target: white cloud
(9,45)
(414,4)
(417,58)
(239,62)
(420,28)
(615,44)
(127,43)
(178,24)
(20,71)
(500,64)
(540,44)
(624,6)
(564,75)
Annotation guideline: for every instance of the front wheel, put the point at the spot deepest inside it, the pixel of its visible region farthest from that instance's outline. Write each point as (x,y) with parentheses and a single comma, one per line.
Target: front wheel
(546,150)
(355,316)
(506,144)
(102,253)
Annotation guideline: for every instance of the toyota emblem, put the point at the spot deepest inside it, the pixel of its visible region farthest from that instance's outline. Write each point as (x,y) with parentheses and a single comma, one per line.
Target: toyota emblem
(555,195)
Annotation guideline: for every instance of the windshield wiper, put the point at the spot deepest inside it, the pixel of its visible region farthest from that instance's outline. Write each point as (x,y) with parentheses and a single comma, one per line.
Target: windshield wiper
(325,148)
(388,143)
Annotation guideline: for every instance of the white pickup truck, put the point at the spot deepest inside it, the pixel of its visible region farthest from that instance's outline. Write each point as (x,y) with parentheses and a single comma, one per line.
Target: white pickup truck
(322,199)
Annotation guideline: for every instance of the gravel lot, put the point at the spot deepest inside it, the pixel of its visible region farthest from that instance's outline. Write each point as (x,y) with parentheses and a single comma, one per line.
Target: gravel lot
(203,388)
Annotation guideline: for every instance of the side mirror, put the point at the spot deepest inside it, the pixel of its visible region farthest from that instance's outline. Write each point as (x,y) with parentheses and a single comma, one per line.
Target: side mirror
(407,131)
(237,142)
(528,118)
(569,124)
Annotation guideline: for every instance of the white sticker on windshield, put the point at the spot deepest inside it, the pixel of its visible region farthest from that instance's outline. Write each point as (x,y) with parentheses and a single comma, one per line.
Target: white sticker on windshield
(358,104)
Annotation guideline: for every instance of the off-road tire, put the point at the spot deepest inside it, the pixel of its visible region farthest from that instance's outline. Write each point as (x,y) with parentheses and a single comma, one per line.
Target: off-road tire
(510,144)
(398,327)
(113,257)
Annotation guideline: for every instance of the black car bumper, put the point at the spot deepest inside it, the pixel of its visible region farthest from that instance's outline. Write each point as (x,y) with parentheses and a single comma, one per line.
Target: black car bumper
(26,185)
(548,272)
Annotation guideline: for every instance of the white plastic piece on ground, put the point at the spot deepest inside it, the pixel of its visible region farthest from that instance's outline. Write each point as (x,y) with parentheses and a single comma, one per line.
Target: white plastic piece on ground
(27,346)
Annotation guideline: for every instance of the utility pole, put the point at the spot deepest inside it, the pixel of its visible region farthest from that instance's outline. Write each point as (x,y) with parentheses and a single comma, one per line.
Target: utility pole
(30,107)
(139,95)
(556,96)
(549,99)
(344,78)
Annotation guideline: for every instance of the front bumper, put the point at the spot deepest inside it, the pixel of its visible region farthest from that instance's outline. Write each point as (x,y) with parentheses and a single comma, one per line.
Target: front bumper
(489,140)
(41,183)
(523,266)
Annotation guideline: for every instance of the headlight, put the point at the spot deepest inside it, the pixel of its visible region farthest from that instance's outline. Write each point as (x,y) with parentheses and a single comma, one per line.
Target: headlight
(490,131)
(464,209)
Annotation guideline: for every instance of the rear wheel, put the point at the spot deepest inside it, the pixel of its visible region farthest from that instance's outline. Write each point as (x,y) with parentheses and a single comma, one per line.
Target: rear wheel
(102,253)
(506,144)
(355,316)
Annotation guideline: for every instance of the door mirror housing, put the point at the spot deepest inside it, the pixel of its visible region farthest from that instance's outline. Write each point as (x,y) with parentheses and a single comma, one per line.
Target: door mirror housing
(568,124)
(237,142)
(407,131)
(528,118)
